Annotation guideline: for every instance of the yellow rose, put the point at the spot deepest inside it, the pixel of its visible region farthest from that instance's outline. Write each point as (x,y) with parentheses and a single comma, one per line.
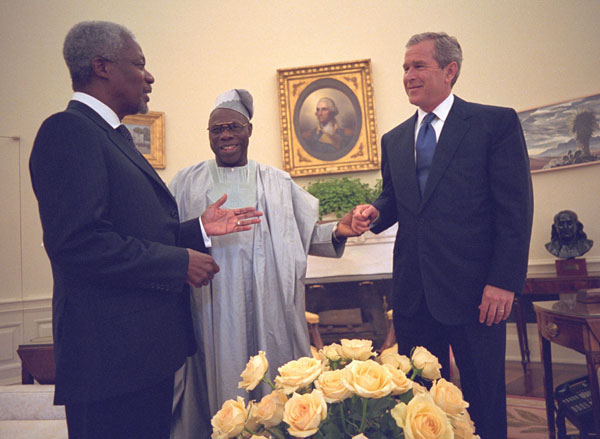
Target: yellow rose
(464,428)
(422,419)
(254,372)
(356,349)
(229,421)
(419,388)
(449,397)
(298,374)
(398,413)
(332,386)
(427,362)
(391,356)
(251,422)
(304,413)
(368,379)
(332,352)
(402,383)
(269,411)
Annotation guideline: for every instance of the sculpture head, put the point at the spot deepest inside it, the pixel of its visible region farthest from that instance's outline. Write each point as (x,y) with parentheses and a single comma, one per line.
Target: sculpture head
(567,228)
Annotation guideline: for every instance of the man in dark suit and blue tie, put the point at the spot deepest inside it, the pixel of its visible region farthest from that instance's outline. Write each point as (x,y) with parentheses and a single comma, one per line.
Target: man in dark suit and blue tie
(456,179)
(121,260)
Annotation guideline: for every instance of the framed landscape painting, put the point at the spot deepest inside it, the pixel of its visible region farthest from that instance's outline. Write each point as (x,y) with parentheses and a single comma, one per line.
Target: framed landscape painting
(563,135)
(148,132)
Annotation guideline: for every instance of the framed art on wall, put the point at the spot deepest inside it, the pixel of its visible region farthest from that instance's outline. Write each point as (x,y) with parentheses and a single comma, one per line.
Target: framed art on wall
(563,135)
(148,132)
(328,118)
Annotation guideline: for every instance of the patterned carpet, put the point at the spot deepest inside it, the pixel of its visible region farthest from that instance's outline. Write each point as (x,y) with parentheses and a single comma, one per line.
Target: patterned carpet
(527,419)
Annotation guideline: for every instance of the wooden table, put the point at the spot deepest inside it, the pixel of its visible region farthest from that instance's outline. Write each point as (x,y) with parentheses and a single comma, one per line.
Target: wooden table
(37,361)
(573,325)
(536,287)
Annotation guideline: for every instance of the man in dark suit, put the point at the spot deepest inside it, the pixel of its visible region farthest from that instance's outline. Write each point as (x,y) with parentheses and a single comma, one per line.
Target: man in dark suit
(458,185)
(121,260)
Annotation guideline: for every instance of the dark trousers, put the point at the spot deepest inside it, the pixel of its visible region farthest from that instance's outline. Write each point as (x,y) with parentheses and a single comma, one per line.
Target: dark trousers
(144,414)
(479,351)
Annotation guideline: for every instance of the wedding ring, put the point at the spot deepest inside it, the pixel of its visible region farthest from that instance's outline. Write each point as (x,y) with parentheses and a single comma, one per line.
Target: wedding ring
(239,223)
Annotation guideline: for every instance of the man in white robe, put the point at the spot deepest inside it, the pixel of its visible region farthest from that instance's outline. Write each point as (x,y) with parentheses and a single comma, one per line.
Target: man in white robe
(257,302)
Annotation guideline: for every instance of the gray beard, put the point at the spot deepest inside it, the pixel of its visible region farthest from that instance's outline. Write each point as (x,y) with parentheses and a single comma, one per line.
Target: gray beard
(143,108)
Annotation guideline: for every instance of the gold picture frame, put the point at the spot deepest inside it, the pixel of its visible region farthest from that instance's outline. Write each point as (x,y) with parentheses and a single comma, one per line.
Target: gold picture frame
(148,132)
(561,135)
(350,143)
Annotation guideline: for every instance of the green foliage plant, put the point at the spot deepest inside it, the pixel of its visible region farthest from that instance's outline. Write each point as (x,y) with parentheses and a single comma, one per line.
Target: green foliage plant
(340,195)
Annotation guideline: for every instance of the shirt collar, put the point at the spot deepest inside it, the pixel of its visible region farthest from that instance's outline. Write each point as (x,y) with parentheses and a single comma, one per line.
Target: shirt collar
(99,107)
(441,111)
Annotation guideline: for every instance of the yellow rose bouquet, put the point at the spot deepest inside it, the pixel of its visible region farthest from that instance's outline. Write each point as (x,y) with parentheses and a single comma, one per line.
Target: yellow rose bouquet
(348,392)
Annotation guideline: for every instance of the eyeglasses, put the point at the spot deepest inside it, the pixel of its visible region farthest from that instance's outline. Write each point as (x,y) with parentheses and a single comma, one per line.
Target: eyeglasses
(233,127)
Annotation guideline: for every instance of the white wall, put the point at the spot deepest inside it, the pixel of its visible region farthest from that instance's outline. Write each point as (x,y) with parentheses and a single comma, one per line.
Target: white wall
(518,53)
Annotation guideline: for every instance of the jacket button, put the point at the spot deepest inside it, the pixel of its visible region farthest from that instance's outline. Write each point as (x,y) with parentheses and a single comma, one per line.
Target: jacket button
(174,214)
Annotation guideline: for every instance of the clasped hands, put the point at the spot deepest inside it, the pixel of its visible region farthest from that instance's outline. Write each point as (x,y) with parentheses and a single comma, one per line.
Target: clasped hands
(217,221)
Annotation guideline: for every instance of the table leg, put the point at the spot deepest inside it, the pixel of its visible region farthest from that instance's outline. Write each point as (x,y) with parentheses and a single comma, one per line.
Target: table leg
(519,303)
(26,377)
(593,359)
(546,353)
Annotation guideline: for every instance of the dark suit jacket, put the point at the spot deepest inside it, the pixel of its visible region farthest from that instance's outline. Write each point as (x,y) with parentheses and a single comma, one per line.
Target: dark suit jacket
(473,224)
(121,316)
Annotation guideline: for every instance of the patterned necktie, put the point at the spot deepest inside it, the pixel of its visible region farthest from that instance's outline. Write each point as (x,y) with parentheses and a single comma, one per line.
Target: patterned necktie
(425,147)
(123,131)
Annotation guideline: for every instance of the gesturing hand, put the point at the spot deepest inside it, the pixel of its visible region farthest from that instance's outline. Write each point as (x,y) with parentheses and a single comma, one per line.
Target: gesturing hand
(201,268)
(217,221)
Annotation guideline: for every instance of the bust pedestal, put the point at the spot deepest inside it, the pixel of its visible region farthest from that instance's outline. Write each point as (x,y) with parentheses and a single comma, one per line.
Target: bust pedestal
(571,267)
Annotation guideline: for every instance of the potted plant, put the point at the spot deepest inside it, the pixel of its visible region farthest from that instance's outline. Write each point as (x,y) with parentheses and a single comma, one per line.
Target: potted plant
(340,195)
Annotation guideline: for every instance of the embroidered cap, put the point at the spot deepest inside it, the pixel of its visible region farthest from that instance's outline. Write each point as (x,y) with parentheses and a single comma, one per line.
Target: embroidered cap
(237,99)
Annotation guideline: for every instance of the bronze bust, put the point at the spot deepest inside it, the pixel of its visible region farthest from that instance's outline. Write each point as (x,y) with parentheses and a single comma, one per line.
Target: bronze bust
(568,239)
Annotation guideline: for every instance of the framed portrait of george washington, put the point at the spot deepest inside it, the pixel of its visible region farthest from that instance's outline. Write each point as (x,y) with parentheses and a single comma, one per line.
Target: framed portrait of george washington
(148,132)
(328,118)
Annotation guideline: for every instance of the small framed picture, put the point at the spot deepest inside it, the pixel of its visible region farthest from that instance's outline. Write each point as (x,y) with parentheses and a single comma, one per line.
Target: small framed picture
(328,118)
(148,132)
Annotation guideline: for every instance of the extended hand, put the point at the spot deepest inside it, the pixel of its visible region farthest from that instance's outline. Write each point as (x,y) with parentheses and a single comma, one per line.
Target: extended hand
(362,217)
(201,268)
(496,305)
(217,221)
(344,228)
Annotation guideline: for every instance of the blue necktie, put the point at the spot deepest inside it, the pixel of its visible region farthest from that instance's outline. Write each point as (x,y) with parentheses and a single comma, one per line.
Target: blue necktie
(425,147)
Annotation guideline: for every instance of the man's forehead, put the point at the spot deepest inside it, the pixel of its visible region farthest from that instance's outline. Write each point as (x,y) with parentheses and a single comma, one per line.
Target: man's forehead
(419,51)
(225,115)
(132,47)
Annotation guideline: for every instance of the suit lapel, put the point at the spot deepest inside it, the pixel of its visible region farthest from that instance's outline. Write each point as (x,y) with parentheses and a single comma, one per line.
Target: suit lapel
(454,130)
(133,155)
(402,161)
(119,141)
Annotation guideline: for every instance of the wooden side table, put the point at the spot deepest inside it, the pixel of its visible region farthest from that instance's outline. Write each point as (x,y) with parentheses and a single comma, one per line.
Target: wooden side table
(575,326)
(536,287)
(37,361)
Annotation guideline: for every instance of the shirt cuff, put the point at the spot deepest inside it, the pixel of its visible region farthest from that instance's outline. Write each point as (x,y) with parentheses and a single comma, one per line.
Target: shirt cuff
(207,241)
(334,238)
